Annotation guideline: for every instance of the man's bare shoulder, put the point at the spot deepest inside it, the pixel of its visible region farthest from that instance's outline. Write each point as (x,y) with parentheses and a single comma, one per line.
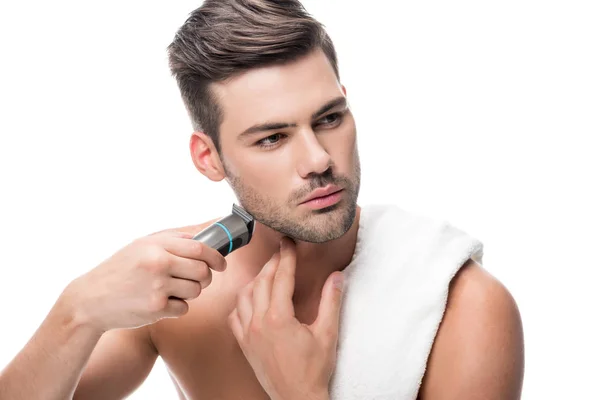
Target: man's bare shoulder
(478,352)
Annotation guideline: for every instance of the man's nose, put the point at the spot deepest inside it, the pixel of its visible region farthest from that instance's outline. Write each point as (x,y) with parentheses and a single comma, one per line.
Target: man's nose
(312,157)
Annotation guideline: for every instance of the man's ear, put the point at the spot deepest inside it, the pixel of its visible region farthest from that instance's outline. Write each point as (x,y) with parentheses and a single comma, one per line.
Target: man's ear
(205,156)
(344,90)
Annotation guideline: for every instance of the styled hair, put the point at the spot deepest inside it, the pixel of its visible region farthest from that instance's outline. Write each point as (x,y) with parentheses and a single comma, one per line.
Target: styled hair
(224,38)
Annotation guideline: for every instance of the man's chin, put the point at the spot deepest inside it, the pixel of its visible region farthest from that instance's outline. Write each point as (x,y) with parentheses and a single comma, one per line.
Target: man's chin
(309,225)
(326,210)
(320,229)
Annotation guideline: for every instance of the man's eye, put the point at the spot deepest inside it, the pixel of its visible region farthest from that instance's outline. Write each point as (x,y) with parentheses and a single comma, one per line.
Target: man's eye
(269,141)
(331,119)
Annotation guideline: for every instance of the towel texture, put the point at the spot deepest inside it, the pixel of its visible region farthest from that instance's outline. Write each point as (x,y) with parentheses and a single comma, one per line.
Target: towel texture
(394,300)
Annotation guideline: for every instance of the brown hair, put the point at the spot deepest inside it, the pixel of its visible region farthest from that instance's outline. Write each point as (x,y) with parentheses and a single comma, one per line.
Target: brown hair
(223,38)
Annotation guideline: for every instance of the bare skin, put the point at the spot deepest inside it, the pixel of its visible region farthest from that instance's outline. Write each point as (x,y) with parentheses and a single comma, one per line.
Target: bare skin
(205,334)
(478,353)
(101,344)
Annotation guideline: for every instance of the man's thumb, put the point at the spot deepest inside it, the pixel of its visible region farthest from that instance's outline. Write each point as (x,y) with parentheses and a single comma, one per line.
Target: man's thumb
(327,322)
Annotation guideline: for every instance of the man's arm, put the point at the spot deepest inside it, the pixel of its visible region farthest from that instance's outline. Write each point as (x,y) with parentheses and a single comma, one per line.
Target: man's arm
(120,363)
(51,364)
(479,351)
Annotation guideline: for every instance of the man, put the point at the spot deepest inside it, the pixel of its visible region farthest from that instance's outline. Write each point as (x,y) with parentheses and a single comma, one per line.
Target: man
(261,84)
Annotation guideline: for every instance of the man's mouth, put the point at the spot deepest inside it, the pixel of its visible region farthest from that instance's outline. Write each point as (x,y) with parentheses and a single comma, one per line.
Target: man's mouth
(323,197)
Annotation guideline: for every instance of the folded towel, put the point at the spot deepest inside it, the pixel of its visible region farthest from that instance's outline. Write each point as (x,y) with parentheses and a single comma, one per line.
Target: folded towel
(394,300)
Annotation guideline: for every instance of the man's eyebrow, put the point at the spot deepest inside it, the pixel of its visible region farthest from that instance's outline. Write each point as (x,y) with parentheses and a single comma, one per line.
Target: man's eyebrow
(270,126)
(339,101)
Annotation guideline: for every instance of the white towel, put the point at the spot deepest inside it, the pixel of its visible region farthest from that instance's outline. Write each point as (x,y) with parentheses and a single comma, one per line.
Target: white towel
(395,298)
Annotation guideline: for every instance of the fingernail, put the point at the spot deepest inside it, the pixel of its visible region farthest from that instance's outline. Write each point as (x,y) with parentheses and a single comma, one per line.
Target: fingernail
(338,281)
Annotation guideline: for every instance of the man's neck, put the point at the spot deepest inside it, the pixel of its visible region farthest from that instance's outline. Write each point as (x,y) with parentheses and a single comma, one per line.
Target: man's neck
(314,261)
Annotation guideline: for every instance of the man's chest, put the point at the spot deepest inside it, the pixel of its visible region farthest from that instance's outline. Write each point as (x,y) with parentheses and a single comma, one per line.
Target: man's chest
(205,360)
(207,363)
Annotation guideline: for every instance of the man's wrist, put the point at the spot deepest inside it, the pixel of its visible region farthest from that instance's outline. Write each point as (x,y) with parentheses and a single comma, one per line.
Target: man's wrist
(69,312)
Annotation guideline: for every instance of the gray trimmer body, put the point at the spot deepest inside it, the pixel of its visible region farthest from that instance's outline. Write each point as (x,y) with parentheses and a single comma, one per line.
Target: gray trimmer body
(229,233)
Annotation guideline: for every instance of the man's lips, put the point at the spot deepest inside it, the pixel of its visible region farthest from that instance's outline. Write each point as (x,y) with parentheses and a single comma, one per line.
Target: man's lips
(325,201)
(321,193)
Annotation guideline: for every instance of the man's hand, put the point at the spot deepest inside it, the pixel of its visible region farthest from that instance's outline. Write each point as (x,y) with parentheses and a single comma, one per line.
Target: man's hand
(291,360)
(151,278)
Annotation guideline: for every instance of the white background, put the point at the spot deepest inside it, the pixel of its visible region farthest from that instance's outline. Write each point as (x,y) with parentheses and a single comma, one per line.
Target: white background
(485,114)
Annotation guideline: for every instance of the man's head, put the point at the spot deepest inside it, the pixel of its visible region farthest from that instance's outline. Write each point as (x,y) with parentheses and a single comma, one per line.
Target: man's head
(259,79)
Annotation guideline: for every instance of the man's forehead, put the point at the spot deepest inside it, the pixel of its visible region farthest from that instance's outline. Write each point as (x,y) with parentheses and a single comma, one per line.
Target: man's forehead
(284,91)
(314,67)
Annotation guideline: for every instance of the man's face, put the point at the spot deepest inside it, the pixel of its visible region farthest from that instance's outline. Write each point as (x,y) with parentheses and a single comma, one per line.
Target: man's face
(287,130)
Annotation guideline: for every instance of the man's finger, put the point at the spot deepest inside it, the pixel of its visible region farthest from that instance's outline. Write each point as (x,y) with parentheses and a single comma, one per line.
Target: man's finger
(184,288)
(194,250)
(263,285)
(173,233)
(236,325)
(284,281)
(184,268)
(327,323)
(188,229)
(244,305)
